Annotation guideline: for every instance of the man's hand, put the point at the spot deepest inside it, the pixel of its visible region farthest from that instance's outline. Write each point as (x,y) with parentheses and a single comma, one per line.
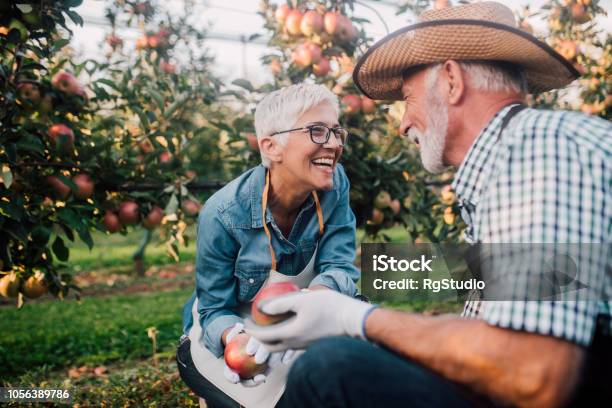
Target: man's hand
(318,314)
(261,355)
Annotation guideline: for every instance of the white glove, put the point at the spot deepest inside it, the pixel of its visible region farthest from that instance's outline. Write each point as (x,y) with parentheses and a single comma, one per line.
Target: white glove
(261,353)
(320,313)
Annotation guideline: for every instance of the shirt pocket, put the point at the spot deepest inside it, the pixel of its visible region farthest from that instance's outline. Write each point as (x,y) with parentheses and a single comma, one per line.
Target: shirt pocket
(250,279)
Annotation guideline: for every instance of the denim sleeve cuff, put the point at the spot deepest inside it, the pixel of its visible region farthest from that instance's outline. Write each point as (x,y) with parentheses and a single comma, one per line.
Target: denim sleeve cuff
(337,280)
(214,331)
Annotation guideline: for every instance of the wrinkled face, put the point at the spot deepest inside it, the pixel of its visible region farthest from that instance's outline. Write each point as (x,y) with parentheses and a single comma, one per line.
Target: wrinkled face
(309,164)
(425,119)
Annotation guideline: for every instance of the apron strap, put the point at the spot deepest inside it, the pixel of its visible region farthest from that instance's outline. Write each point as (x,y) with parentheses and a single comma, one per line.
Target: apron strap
(264,207)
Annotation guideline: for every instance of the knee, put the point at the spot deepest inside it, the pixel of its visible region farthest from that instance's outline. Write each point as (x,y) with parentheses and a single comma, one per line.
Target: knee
(327,361)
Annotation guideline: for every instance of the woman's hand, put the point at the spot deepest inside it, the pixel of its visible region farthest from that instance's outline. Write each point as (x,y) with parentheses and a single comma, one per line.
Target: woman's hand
(261,355)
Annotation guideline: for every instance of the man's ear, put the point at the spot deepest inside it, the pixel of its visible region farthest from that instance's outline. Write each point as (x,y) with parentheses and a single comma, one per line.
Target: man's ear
(271,148)
(454,80)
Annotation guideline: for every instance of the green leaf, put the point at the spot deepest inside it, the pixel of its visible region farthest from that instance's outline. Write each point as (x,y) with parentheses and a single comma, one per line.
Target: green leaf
(85,236)
(222,126)
(243,83)
(159,100)
(110,83)
(30,143)
(12,210)
(7,176)
(76,19)
(60,250)
(172,205)
(143,118)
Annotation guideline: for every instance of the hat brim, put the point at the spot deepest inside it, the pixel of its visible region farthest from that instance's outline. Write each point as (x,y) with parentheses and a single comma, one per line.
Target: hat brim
(378,74)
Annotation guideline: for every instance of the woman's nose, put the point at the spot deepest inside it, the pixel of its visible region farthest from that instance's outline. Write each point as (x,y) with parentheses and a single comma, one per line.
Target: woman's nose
(333,142)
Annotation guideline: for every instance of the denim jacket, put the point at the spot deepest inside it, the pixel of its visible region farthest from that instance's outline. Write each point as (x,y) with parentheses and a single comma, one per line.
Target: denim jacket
(233,258)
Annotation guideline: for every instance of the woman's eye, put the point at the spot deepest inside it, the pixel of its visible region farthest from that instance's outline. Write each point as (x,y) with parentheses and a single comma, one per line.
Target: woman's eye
(318,131)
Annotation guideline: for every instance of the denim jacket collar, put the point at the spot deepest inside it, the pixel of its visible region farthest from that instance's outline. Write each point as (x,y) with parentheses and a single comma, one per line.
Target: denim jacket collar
(256,186)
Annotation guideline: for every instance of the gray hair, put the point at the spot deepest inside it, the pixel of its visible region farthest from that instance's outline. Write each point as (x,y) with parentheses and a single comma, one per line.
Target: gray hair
(490,76)
(281,109)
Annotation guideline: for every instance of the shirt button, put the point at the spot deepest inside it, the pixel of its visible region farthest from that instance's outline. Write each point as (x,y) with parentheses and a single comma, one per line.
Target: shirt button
(251,280)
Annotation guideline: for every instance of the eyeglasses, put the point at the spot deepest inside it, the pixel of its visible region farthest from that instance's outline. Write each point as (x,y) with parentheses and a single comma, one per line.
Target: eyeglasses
(319,134)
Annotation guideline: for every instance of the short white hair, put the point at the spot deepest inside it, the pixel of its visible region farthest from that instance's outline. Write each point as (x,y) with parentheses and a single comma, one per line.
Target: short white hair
(281,109)
(491,76)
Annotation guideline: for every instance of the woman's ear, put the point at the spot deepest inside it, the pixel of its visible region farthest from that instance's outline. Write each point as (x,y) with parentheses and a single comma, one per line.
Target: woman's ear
(270,147)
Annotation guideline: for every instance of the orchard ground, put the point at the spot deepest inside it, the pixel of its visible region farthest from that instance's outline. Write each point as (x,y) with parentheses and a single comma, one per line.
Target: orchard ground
(116,346)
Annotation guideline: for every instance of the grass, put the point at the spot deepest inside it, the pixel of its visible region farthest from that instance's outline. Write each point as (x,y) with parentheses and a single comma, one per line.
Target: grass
(98,330)
(115,251)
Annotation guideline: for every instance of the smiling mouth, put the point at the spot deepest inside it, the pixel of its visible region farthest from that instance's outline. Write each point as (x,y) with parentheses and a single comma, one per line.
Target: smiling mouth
(324,162)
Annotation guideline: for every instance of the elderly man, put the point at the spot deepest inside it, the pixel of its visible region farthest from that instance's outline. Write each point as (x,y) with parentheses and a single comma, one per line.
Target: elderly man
(524,176)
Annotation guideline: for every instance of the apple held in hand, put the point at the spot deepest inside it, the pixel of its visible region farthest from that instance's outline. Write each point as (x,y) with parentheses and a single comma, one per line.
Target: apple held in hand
(238,360)
(271,291)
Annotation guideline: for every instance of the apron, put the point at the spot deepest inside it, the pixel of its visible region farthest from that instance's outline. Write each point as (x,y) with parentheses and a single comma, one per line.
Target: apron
(210,367)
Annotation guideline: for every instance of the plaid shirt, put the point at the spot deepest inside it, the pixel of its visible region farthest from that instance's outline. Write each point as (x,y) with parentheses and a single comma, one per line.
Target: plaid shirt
(546,179)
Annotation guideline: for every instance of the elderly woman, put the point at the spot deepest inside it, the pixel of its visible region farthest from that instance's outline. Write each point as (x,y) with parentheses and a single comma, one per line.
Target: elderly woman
(287,219)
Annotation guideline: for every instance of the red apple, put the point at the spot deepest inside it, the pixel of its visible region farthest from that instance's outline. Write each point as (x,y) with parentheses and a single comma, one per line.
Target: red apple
(9,285)
(252,140)
(141,8)
(167,67)
(321,68)
(312,23)
(294,19)
(34,287)
(382,200)
(238,360)
(367,105)
(271,291)
(191,207)
(275,66)
(146,146)
(395,206)
(165,156)
(346,30)
(307,54)
(85,186)
(153,218)
(579,14)
(60,189)
(112,222)
(29,92)
(114,41)
(142,43)
(129,213)
(153,41)
(281,13)
(377,216)
(65,82)
(331,22)
(352,103)
(62,136)
(440,4)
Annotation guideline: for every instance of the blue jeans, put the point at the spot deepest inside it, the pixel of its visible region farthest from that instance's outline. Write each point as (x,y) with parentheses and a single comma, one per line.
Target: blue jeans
(345,372)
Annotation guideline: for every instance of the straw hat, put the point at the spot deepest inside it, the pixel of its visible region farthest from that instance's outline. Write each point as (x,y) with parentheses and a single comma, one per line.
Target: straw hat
(478,31)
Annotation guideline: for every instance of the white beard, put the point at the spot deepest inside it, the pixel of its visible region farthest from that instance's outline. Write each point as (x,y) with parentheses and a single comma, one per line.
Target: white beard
(433,140)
